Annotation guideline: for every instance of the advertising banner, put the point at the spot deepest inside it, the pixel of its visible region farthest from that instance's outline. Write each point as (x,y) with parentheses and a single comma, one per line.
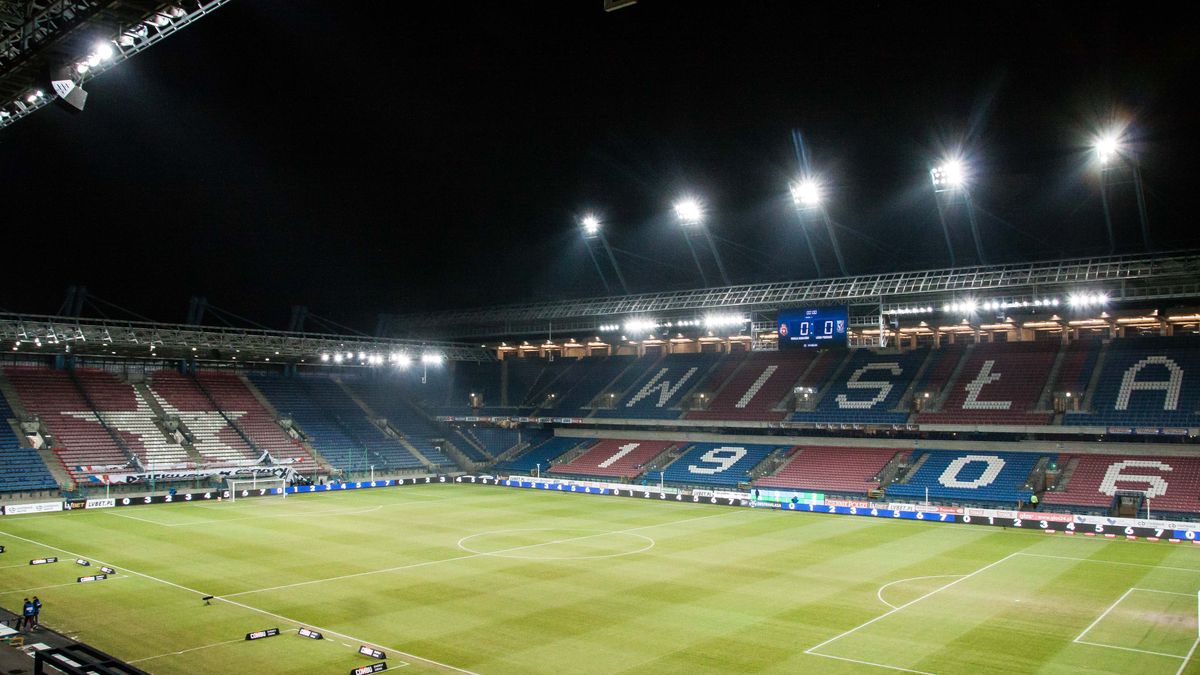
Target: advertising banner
(38,507)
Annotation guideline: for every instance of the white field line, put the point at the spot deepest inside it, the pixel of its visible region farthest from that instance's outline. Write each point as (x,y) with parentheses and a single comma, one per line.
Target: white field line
(814,648)
(1155,590)
(1102,615)
(1109,562)
(491,554)
(72,583)
(309,514)
(1128,649)
(196,649)
(1188,657)
(244,606)
(871,663)
(4,567)
(879,593)
(391,666)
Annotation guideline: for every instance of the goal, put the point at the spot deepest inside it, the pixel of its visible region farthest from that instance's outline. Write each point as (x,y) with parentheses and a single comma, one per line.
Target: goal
(256,487)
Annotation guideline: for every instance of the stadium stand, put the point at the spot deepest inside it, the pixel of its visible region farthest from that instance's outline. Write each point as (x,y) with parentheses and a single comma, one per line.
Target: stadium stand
(384,399)
(98,423)
(1172,483)
(869,388)
(942,363)
(495,441)
(1147,382)
(539,454)
(761,383)
(332,422)
(614,458)
(718,464)
(213,437)
(578,387)
(1078,363)
(662,386)
(231,395)
(999,384)
(831,469)
(21,468)
(968,476)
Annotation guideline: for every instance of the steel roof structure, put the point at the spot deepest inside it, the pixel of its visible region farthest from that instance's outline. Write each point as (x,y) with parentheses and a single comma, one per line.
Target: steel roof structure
(1123,278)
(38,334)
(37,36)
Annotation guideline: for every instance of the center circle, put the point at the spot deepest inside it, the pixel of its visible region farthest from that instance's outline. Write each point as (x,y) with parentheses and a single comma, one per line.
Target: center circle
(555,543)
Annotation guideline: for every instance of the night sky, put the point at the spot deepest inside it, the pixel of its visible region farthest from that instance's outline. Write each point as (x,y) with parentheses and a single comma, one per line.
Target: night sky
(361,158)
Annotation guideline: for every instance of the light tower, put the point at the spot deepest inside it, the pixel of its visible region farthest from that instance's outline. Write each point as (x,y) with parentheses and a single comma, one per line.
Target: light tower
(1114,159)
(593,231)
(690,213)
(809,195)
(951,182)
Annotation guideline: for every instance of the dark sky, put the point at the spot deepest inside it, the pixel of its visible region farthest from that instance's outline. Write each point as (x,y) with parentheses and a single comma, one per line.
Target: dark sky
(360,158)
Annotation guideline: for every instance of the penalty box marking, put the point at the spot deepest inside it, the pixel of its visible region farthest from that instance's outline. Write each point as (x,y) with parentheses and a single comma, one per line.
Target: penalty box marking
(813,650)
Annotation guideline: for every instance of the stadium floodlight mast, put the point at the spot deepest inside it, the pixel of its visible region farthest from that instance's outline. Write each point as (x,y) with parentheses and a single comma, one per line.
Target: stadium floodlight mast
(593,230)
(690,212)
(1112,155)
(951,180)
(808,194)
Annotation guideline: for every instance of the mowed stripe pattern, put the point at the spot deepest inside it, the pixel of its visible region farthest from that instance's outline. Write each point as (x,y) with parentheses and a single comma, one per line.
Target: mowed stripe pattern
(721,589)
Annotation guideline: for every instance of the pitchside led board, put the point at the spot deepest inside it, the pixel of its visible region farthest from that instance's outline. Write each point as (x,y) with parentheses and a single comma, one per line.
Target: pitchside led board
(813,327)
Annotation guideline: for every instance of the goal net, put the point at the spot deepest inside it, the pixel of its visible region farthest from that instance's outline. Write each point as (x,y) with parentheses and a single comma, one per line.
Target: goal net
(256,487)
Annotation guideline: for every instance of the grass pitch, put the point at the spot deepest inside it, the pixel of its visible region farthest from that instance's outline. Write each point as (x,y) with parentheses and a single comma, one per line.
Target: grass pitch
(500,580)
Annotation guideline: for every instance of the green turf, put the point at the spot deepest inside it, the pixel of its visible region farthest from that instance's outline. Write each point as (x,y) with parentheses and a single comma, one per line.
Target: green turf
(499,580)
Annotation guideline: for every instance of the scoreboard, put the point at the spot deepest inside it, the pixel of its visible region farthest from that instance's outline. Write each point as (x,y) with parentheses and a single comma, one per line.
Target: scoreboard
(813,327)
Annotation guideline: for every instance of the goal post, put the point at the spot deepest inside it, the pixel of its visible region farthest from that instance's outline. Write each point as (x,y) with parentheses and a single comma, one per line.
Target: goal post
(258,487)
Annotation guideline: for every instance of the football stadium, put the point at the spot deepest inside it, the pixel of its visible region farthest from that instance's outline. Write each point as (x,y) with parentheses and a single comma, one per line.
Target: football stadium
(961,447)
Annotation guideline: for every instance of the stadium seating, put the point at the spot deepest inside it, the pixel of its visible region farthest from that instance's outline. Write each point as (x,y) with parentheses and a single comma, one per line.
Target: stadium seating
(1078,363)
(213,438)
(21,469)
(496,441)
(831,469)
(230,394)
(1147,382)
(968,476)
(754,390)
(999,384)
(661,387)
(942,363)
(868,389)
(333,423)
(83,443)
(718,464)
(539,456)
(614,458)
(383,398)
(578,387)
(1172,483)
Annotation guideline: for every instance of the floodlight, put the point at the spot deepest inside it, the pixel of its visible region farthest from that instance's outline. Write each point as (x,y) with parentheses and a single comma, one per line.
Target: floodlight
(950,175)
(1107,147)
(591,224)
(689,211)
(325,358)
(104,50)
(403,360)
(806,192)
(431,358)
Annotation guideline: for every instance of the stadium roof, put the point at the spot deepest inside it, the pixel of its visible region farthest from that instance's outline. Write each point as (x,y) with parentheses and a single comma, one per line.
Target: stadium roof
(38,36)
(1122,278)
(36,334)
